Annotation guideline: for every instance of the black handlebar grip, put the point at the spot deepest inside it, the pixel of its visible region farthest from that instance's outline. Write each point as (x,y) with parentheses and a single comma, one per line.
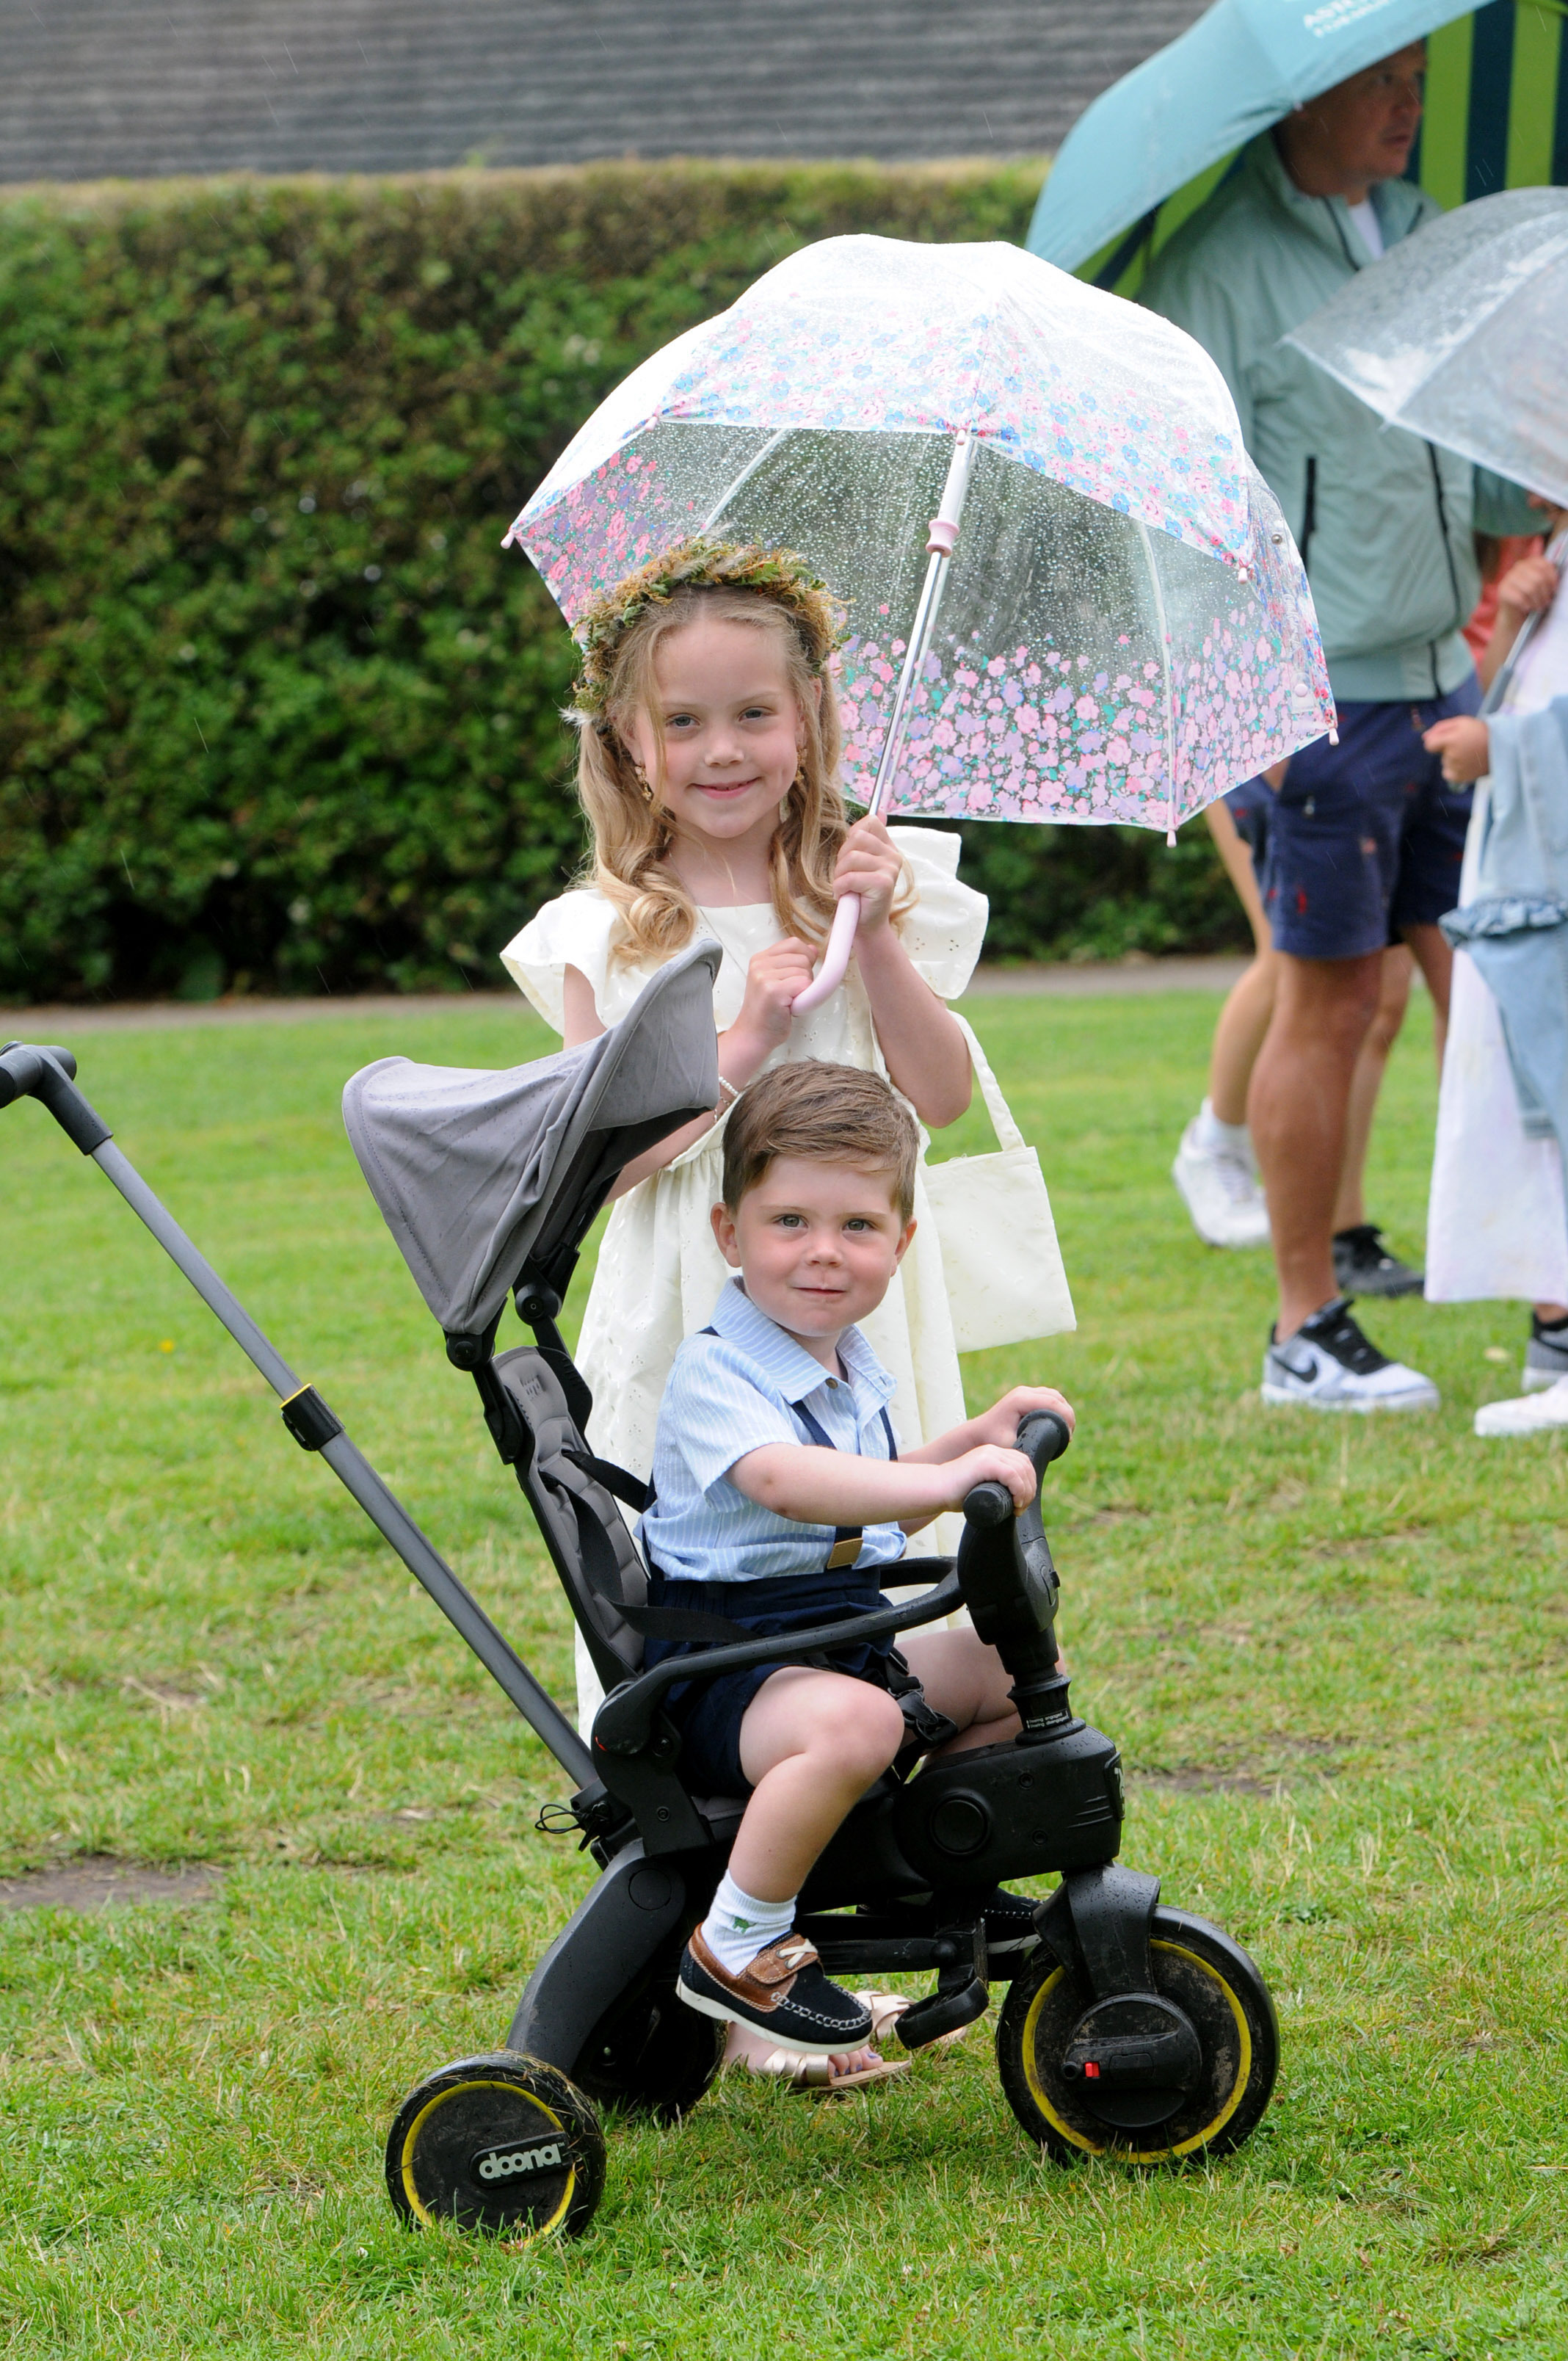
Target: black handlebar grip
(987,1504)
(62,1058)
(1044,1436)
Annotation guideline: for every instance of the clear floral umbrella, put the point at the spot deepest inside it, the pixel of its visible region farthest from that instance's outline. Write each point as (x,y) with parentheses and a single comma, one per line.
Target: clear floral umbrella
(1104,619)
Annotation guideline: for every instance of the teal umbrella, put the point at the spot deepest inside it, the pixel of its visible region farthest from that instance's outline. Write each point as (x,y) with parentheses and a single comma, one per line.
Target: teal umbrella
(1149,151)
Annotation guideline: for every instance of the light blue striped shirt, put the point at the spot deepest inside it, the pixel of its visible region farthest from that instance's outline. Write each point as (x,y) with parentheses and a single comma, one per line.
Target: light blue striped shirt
(736,1392)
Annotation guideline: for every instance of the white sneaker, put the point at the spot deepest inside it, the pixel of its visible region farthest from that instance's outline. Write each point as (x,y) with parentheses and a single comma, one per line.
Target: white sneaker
(1222,1192)
(1532,1413)
(1328,1364)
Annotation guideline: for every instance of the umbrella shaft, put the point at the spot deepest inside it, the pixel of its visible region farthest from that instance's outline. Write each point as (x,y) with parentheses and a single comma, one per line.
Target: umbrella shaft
(948,514)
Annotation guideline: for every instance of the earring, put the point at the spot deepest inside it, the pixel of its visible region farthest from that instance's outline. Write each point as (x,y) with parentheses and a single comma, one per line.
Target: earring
(642,777)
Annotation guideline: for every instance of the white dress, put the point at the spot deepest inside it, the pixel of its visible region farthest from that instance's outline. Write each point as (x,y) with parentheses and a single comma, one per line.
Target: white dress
(659,1269)
(1497,1226)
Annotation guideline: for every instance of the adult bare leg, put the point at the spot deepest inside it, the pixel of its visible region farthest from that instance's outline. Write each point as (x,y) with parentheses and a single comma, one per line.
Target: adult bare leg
(1298,1109)
(1249,1004)
(1239,1036)
(1396,973)
(968,1681)
(1434,956)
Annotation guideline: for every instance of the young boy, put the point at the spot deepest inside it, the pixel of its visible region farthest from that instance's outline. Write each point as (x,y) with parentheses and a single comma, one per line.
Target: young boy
(779,1498)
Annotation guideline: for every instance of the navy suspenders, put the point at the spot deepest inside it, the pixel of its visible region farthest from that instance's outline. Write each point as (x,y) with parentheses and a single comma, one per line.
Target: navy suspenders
(847,1539)
(846,1546)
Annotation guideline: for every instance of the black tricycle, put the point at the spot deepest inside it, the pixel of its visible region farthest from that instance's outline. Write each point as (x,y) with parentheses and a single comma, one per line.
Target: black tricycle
(1129,2030)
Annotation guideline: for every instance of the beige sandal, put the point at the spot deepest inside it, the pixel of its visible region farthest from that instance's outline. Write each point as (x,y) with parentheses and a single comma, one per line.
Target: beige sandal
(814,2077)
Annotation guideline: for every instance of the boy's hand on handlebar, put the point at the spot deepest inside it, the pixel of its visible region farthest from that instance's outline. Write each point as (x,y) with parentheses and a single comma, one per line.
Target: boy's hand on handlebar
(775,979)
(990,1464)
(1000,1422)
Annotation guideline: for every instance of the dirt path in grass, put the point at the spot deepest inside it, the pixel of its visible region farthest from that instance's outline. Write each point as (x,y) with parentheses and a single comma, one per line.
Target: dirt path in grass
(1089,979)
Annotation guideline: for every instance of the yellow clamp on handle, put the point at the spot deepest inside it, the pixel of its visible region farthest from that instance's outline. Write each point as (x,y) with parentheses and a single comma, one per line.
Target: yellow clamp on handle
(308,1420)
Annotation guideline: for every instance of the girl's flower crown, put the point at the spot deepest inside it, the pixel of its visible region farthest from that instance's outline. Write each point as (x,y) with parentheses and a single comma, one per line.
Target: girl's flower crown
(776,575)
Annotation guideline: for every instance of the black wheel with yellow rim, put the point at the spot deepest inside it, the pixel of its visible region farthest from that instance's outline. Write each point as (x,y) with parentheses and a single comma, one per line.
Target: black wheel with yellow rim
(501,2142)
(1197,1971)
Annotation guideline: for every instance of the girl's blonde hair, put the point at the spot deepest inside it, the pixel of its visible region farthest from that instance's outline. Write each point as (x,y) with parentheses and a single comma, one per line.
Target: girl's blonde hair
(768,590)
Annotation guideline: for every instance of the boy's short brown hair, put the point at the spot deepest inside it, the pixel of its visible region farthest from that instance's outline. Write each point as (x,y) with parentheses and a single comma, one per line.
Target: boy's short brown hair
(830,1114)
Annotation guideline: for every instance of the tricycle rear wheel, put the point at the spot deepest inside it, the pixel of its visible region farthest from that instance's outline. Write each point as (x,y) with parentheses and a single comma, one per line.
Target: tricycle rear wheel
(501,2143)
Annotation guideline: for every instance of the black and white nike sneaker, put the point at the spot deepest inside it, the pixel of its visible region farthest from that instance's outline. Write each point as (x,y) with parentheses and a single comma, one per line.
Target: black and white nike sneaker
(1328,1364)
(1364,1266)
(1545,1357)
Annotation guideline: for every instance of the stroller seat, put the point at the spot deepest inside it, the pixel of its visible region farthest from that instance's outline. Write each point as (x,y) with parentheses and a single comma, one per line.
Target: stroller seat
(579,1519)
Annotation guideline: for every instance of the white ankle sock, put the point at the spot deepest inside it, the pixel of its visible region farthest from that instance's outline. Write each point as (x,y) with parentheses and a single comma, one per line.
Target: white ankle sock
(737,1925)
(1219,1138)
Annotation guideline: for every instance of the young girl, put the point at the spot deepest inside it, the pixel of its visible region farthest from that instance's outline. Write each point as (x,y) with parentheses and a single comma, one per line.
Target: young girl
(708,758)
(1496,1224)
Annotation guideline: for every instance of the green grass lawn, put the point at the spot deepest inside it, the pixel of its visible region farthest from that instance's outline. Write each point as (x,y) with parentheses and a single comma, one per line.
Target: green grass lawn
(1332,1653)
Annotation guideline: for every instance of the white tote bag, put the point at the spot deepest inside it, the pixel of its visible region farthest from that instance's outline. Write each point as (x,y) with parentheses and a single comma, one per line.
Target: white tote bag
(1003,1265)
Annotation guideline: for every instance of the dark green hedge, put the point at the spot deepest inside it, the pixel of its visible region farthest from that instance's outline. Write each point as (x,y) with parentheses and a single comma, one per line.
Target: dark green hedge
(276,712)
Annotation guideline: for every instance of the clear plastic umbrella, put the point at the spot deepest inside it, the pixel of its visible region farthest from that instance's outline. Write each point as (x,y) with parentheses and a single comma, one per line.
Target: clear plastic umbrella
(1071,595)
(1461,333)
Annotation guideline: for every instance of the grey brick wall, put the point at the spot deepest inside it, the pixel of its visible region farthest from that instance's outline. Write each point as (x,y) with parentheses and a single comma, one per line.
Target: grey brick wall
(92,89)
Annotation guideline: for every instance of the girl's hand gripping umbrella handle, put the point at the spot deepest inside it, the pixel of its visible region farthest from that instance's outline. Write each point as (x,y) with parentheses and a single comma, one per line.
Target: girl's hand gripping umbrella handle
(939,549)
(835,959)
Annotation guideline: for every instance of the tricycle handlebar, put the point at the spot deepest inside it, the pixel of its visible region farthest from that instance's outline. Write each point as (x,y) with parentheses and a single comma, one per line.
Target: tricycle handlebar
(1042,1437)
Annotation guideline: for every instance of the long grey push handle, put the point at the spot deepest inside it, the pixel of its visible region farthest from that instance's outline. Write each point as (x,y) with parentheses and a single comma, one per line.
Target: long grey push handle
(49,1075)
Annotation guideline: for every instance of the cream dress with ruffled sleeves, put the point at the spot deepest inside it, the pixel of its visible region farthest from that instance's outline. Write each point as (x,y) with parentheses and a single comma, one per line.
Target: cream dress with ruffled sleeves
(660,1270)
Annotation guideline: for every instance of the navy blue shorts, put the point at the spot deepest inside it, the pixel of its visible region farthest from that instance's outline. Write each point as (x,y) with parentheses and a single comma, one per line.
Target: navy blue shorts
(709,1713)
(1364,839)
(1250,807)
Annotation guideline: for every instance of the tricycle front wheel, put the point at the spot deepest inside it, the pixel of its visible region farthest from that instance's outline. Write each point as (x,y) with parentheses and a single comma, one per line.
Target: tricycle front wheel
(1217,1987)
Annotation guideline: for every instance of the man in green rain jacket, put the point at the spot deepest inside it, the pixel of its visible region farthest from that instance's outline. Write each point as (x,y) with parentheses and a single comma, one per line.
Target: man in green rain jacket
(1364,841)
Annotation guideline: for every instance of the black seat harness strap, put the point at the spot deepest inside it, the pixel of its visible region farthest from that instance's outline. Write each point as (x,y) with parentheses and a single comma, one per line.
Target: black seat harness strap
(619,1480)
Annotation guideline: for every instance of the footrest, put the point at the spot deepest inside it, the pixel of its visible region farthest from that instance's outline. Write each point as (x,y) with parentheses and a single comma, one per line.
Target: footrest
(943,2012)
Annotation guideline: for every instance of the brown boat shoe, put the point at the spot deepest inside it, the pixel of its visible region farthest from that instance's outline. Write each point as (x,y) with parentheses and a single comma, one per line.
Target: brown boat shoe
(782,1993)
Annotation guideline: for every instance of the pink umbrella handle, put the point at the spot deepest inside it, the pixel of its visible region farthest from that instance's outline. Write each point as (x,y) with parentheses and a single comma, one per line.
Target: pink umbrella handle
(835,959)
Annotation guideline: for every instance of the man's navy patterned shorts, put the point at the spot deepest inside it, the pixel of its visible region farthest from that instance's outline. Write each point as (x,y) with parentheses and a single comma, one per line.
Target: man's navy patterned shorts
(1364,839)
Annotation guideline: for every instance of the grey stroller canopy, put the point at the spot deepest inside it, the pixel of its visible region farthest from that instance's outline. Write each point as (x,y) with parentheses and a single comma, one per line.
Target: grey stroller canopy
(481,1175)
